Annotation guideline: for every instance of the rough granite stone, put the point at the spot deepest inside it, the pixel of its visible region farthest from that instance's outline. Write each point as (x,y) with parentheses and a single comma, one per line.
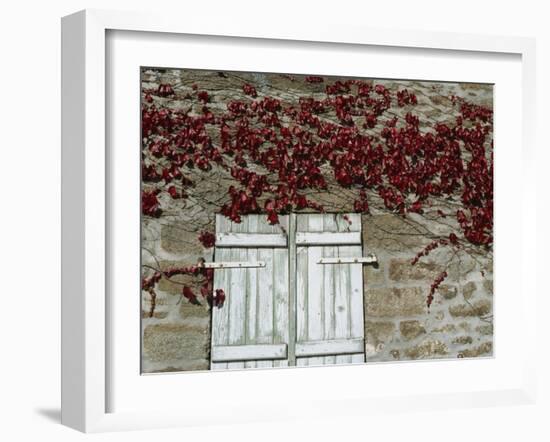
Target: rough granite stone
(484,349)
(403,271)
(430,348)
(478,308)
(463,340)
(175,239)
(447,291)
(164,342)
(411,329)
(485,329)
(468,290)
(374,274)
(395,302)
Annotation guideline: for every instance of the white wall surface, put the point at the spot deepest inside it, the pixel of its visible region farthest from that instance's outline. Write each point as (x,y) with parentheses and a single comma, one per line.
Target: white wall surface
(30,207)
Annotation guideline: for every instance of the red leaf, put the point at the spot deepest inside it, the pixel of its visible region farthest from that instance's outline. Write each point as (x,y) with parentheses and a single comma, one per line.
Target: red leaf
(248,89)
(190,296)
(453,238)
(150,204)
(173,192)
(314,79)
(219,299)
(207,239)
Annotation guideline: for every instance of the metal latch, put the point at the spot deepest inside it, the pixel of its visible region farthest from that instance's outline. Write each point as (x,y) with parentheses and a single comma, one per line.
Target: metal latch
(234,265)
(369,259)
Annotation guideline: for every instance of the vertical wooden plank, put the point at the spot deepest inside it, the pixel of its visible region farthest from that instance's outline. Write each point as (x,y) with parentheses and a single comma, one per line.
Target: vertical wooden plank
(315,309)
(237,295)
(357,325)
(292,289)
(301,287)
(220,315)
(342,292)
(280,300)
(222,280)
(348,222)
(284,224)
(251,292)
(265,302)
(301,298)
(329,225)
(343,303)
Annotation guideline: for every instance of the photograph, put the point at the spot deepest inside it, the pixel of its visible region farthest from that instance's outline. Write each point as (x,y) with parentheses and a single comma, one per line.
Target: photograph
(229,221)
(304,220)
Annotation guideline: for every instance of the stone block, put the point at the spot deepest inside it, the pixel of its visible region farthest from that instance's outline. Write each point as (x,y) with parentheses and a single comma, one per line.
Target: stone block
(156,315)
(175,284)
(175,239)
(459,270)
(392,233)
(378,333)
(463,340)
(484,349)
(374,274)
(395,302)
(485,329)
(478,308)
(430,348)
(166,342)
(468,290)
(447,328)
(403,271)
(411,329)
(447,291)
(395,354)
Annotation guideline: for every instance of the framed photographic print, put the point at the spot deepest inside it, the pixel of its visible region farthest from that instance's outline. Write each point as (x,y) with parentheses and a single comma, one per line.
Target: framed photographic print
(302,220)
(275,222)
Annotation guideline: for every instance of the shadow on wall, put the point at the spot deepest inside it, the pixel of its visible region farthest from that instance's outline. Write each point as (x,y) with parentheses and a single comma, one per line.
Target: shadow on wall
(51,414)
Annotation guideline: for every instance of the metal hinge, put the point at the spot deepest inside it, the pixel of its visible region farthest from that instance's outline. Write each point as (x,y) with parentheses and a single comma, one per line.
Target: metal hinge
(234,265)
(369,259)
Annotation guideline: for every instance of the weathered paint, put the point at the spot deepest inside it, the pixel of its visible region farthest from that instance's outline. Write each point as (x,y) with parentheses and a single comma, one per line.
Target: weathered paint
(256,309)
(313,311)
(248,352)
(330,296)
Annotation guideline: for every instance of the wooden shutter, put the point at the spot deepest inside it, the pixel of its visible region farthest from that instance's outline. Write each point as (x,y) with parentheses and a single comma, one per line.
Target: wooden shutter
(329,297)
(251,329)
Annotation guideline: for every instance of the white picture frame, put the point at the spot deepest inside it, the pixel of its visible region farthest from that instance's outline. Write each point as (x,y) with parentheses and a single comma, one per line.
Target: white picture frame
(85,198)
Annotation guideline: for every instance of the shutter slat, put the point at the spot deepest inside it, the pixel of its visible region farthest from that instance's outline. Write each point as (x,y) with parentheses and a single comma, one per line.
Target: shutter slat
(328,238)
(330,347)
(241,353)
(251,240)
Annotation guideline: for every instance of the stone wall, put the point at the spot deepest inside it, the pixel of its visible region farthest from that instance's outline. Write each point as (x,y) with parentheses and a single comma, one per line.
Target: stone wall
(398,325)
(177,337)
